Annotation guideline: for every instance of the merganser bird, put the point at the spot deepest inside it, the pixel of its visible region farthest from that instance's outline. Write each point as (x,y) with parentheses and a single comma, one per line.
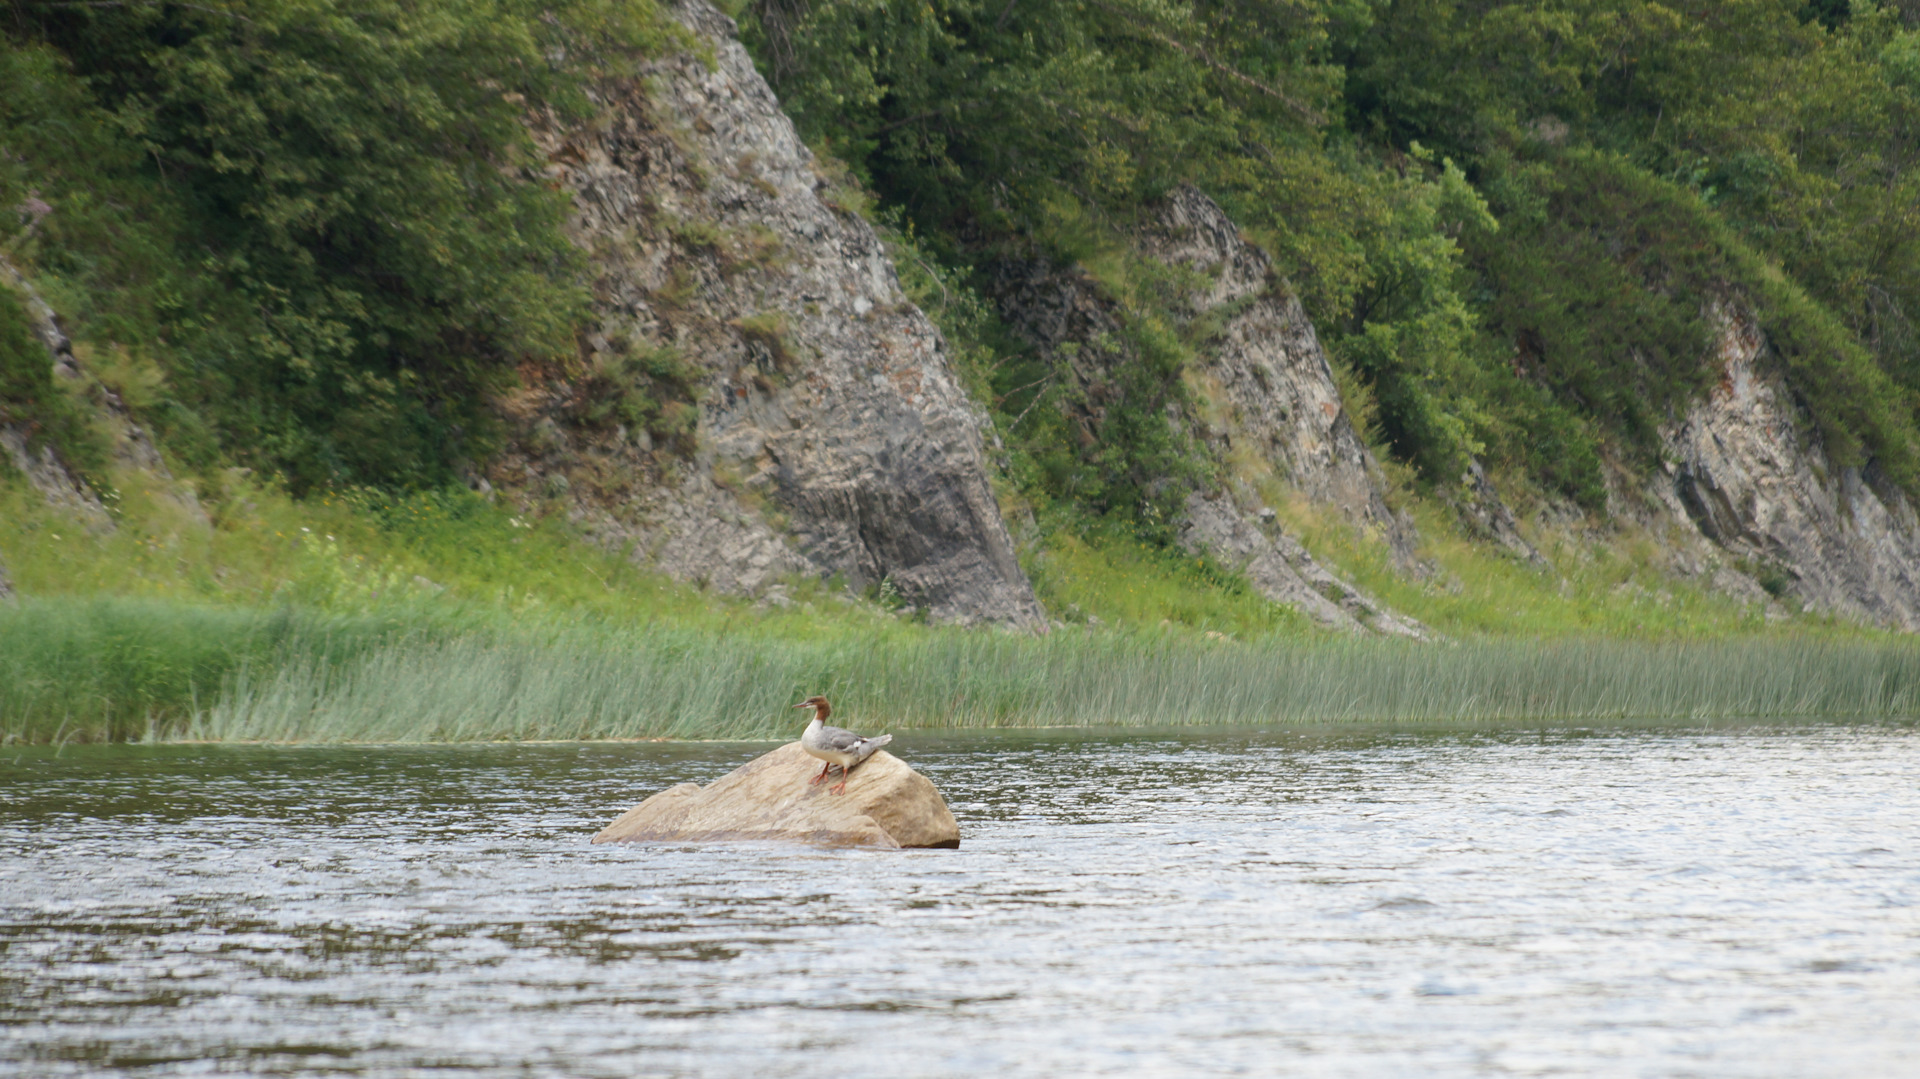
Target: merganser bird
(835,745)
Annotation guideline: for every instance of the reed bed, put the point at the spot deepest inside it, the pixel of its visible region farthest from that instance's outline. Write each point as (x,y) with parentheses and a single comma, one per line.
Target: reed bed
(681,686)
(130,669)
(110,669)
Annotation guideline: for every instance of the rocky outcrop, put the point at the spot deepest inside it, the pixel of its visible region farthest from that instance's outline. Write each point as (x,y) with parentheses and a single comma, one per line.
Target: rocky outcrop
(6,584)
(1282,570)
(1265,374)
(1268,405)
(41,464)
(831,436)
(1751,476)
(1269,374)
(1487,515)
(773,798)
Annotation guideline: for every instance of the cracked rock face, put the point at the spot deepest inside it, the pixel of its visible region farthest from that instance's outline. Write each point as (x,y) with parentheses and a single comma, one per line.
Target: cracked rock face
(1282,570)
(1272,407)
(1751,478)
(41,465)
(1266,368)
(832,437)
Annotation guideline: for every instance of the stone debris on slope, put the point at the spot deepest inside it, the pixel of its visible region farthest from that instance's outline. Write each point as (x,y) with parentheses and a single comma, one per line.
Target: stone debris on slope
(833,437)
(773,798)
(41,465)
(1482,509)
(132,446)
(1282,570)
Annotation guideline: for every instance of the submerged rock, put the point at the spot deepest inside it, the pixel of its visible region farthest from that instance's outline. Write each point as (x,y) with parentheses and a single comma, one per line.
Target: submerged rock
(887,804)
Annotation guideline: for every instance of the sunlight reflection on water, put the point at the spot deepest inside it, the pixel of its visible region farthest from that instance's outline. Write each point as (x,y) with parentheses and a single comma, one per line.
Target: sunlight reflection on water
(1632,902)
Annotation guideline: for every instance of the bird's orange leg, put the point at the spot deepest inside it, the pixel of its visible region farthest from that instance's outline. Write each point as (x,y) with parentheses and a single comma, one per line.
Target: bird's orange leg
(821,778)
(842,788)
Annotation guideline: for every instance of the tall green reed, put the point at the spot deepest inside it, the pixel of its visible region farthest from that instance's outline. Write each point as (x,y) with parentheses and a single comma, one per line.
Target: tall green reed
(672,684)
(126,669)
(105,669)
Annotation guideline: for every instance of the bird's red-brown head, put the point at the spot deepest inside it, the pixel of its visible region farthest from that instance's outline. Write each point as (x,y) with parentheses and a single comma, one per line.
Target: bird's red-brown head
(821,709)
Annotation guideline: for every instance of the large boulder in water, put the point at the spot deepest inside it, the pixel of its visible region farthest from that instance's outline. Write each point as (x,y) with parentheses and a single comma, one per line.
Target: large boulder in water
(887,804)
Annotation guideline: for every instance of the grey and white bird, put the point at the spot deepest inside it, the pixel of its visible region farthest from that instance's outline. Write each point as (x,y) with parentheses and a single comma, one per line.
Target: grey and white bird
(835,745)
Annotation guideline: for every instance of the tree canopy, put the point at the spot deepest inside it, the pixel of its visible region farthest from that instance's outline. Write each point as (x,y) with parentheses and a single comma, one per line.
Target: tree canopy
(311,209)
(1508,217)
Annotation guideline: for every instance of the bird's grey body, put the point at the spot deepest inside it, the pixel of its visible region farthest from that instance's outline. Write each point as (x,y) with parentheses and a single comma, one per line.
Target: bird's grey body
(838,745)
(835,745)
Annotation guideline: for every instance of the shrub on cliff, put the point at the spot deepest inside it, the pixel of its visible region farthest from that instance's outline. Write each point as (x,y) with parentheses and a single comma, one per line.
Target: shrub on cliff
(1641,161)
(354,257)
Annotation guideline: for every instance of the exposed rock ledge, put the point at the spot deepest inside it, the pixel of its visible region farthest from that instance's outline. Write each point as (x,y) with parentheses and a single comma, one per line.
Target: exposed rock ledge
(887,804)
(1747,472)
(833,437)
(1267,399)
(1282,570)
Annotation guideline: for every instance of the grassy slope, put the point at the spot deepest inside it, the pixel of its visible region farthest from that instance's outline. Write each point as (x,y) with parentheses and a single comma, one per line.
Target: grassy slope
(363,617)
(438,616)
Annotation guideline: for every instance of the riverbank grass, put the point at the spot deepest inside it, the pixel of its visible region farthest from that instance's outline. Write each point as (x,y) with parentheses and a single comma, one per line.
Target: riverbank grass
(132,669)
(359,616)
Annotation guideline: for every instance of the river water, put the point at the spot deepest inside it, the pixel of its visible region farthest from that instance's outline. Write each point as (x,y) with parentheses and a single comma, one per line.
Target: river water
(1712,902)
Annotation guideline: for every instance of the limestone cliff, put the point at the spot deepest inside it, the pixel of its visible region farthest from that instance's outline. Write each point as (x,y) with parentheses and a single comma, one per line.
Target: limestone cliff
(1747,474)
(1266,401)
(830,437)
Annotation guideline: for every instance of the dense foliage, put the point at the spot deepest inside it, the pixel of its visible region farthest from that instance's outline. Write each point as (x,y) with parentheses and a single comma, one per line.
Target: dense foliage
(305,233)
(1513,220)
(308,213)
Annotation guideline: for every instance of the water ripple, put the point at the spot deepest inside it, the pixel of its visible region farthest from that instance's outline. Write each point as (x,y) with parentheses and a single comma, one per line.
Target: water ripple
(1641,903)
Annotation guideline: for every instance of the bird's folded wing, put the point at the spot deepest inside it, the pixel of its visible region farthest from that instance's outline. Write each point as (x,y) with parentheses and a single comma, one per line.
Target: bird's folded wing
(844,741)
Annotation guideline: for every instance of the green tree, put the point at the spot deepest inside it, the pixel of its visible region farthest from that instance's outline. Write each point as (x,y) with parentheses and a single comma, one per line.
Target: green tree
(352,177)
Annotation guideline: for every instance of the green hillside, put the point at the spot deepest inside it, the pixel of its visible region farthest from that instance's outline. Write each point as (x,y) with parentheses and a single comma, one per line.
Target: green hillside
(301,228)
(304,244)
(1505,218)
(301,225)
